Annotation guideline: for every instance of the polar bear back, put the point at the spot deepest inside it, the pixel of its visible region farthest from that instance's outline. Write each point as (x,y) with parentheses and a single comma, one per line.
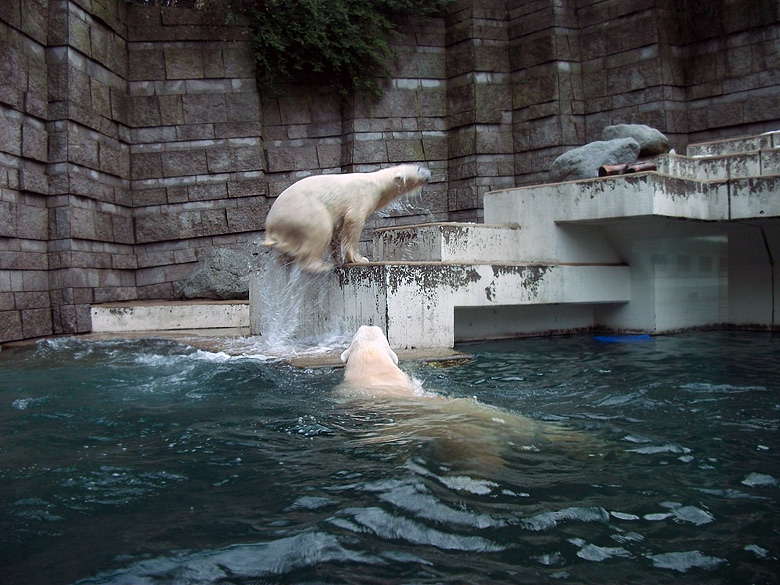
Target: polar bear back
(336,193)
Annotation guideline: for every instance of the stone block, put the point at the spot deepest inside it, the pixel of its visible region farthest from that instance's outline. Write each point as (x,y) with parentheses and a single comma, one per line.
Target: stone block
(405,150)
(6,304)
(11,12)
(33,178)
(369,151)
(462,142)
(147,276)
(294,109)
(184,162)
(146,165)
(329,155)
(214,222)
(204,108)
(79,90)
(35,19)
(153,135)
(171,110)
(11,326)
(249,158)
(247,218)
(156,228)
(31,300)
(183,63)
(239,61)
(247,188)
(242,107)
(8,225)
(177,194)
(493,141)
(124,261)
(123,229)
(434,146)
(490,100)
(237,129)
(195,132)
(145,111)
(207,191)
(291,158)
(11,135)
(100,98)
(213,63)
(32,222)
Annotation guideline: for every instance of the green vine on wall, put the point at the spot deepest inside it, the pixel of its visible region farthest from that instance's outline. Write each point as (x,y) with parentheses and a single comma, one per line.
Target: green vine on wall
(345,44)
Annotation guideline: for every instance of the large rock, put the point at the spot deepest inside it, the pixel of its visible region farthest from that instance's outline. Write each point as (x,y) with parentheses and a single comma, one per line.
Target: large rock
(584,162)
(651,141)
(221,274)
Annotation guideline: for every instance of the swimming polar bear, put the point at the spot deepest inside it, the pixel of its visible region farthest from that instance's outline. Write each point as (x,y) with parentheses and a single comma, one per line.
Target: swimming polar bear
(308,214)
(371,364)
(462,431)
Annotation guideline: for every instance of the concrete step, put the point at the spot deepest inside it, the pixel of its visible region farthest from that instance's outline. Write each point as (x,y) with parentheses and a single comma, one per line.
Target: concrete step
(169,316)
(447,242)
(721,167)
(633,196)
(737,145)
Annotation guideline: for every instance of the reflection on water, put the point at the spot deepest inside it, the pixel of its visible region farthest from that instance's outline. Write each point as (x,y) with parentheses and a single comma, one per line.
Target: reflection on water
(552,460)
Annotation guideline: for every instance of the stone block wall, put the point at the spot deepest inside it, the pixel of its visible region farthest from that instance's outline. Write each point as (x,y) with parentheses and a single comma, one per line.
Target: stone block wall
(24,185)
(132,138)
(197,164)
(579,66)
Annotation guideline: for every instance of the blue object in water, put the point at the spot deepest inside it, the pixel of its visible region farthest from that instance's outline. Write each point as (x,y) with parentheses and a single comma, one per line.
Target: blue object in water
(622,338)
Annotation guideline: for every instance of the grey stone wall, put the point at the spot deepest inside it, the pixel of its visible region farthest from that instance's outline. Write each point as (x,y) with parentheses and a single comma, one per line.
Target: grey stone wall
(133,139)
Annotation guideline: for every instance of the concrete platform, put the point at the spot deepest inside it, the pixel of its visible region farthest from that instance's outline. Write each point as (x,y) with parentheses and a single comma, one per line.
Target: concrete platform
(169,316)
(694,244)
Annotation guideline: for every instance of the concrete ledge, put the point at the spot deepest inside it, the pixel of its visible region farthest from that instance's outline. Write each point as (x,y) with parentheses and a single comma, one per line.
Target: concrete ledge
(169,316)
(448,242)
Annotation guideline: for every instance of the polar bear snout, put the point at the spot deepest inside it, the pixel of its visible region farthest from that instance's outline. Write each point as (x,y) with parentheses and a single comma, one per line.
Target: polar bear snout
(425,174)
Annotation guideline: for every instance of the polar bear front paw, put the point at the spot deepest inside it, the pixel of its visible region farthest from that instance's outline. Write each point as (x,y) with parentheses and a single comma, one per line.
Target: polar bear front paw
(358,259)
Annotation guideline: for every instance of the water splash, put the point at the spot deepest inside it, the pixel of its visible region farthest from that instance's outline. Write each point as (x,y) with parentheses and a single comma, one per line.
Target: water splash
(289,308)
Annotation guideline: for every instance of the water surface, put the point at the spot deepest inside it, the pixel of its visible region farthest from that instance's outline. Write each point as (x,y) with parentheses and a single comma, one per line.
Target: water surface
(151,462)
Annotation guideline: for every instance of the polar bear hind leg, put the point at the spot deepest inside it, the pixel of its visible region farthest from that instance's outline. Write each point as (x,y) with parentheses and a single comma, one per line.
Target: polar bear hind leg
(305,238)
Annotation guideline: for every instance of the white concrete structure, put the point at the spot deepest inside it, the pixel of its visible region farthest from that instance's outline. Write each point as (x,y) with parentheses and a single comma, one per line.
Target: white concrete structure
(694,244)
(169,316)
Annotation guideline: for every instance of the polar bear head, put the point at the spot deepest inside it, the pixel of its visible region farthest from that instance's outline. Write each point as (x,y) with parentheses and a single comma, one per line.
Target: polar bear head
(369,336)
(372,365)
(410,177)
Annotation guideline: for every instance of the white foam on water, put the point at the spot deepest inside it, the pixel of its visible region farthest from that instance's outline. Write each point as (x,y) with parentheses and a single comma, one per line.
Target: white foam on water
(548,520)
(592,552)
(684,561)
(759,480)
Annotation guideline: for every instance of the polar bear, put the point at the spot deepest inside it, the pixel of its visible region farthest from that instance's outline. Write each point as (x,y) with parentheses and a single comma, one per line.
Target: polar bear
(307,215)
(371,364)
(463,432)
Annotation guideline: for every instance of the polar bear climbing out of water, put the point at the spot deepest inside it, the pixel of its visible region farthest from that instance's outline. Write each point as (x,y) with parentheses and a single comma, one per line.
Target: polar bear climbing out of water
(372,364)
(307,215)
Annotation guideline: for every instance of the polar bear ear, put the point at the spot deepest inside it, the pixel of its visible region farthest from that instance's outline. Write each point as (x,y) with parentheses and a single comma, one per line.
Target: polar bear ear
(399,181)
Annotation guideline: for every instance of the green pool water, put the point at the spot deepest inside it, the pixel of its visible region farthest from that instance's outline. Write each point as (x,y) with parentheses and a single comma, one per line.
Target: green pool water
(638,461)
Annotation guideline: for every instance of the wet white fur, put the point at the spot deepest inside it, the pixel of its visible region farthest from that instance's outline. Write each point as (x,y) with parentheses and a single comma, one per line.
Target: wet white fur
(306,216)
(372,364)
